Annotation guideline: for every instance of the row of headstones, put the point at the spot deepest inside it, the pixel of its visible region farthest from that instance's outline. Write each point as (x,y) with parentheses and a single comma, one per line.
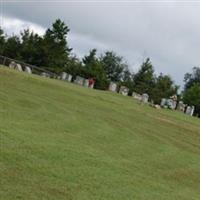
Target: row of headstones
(180,106)
(124,91)
(18,67)
(78,80)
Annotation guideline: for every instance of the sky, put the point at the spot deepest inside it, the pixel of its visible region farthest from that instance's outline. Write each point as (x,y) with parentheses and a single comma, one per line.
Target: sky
(166,31)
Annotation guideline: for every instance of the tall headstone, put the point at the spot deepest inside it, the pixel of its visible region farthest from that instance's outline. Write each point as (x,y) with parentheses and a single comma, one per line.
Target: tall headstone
(69,77)
(86,83)
(113,87)
(181,106)
(190,110)
(79,80)
(63,76)
(28,70)
(123,90)
(18,67)
(136,96)
(12,65)
(163,102)
(145,98)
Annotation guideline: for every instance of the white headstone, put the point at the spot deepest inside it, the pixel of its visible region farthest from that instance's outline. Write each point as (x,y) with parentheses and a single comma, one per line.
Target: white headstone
(63,76)
(12,65)
(136,96)
(190,110)
(69,77)
(18,67)
(44,74)
(113,87)
(124,90)
(145,98)
(28,70)
(181,106)
(86,83)
(79,80)
(163,102)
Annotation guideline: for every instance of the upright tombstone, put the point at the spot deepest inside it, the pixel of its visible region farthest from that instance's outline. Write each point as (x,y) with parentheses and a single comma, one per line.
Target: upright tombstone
(44,74)
(69,77)
(113,87)
(123,90)
(86,83)
(79,80)
(171,104)
(190,110)
(136,96)
(12,65)
(63,76)
(145,98)
(18,67)
(181,106)
(28,70)
(163,102)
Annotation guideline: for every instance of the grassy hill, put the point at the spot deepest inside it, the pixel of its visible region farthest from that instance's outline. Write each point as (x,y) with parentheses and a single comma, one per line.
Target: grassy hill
(62,141)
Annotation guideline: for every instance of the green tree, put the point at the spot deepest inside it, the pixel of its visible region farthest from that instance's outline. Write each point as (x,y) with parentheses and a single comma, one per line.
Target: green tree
(164,88)
(193,78)
(192,97)
(55,50)
(113,65)
(94,69)
(12,47)
(2,41)
(31,47)
(144,79)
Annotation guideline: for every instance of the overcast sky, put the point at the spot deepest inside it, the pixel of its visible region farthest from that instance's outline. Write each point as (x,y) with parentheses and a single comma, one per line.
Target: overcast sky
(166,31)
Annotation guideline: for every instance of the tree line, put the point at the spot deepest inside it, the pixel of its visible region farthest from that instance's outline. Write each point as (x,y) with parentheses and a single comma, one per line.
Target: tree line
(51,51)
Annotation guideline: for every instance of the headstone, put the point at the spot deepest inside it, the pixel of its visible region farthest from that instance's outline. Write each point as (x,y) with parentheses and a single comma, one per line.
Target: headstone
(190,110)
(171,104)
(181,106)
(69,77)
(86,83)
(63,76)
(124,90)
(113,87)
(79,80)
(163,102)
(12,65)
(44,74)
(28,70)
(18,67)
(145,98)
(136,96)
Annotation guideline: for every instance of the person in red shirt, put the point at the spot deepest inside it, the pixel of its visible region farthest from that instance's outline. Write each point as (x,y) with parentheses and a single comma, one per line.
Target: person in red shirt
(91,82)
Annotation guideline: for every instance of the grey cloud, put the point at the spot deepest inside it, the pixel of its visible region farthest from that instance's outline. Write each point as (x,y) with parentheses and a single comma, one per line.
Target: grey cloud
(167,32)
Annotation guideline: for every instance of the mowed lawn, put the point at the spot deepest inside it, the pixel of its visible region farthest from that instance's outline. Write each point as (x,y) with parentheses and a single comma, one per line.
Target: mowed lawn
(63,141)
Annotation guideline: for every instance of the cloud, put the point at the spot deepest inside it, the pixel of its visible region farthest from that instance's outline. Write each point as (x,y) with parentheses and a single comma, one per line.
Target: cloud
(166,32)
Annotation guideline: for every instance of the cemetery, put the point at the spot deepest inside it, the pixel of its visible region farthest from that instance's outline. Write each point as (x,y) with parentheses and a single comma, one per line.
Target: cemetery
(170,103)
(56,136)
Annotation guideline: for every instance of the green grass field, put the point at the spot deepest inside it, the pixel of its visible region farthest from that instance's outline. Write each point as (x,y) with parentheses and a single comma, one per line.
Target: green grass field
(62,141)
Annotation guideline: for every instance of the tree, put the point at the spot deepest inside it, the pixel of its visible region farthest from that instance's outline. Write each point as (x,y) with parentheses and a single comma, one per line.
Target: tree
(12,47)
(31,47)
(94,69)
(55,50)
(164,88)
(113,66)
(192,97)
(193,78)
(144,79)
(2,41)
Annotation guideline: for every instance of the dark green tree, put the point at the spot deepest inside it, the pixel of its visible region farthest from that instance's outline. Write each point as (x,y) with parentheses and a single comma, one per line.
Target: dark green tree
(93,69)
(113,65)
(144,79)
(55,50)
(192,97)
(193,78)
(164,88)
(31,47)
(12,47)
(2,41)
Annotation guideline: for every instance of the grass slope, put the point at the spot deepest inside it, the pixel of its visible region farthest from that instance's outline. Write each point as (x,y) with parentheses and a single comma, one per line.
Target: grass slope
(62,141)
